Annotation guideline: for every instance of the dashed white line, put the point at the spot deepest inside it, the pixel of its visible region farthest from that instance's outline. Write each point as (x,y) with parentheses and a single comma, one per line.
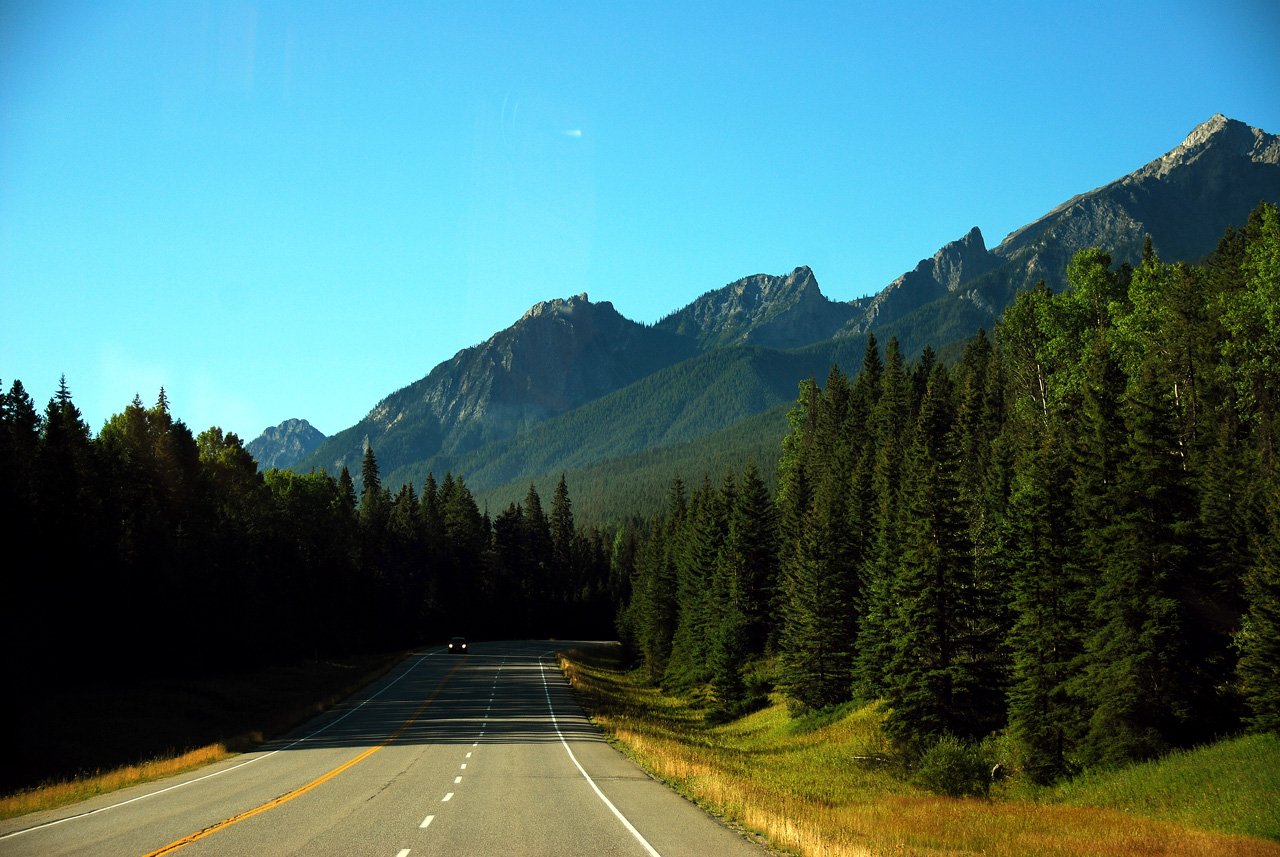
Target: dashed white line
(449,796)
(426,822)
(468,754)
(457,780)
(404,852)
(464,765)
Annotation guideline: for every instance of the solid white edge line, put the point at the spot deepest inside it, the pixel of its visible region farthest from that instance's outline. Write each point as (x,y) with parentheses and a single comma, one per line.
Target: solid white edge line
(14,833)
(547,690)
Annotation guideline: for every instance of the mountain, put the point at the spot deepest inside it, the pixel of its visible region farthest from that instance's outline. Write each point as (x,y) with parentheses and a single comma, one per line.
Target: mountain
(283,445)
(1184,200)
(560,354)
(573,384)
(777,312)
(956,263)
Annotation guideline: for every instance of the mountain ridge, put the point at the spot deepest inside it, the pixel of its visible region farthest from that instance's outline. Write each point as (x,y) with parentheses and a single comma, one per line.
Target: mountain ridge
(565,354)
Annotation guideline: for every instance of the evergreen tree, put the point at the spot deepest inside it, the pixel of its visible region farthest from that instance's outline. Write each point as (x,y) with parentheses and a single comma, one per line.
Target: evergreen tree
(371,486)
(750,561)
(891,424)
(934,686)
(1259,638)
(1051,606)
(347,490)
(1140,682)
(563,565)
(656,585)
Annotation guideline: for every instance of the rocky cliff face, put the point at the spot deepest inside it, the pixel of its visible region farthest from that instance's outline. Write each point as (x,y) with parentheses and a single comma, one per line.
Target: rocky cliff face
(955,264)
(559,355)
(284,444)
(776,312)
(1184,199)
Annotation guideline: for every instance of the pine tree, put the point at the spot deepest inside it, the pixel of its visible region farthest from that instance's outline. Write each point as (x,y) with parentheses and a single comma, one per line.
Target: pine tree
(820,620)
(562,539)
(347,491)
(371,484)
(750,560)
(1051,605)
(891,424)
(1259,638)
(1140,681)
(933,686)
(542,583)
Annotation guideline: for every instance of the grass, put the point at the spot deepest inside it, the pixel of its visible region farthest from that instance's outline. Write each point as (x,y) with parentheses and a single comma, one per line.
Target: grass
(1232,786)
(827,784)
(156,729)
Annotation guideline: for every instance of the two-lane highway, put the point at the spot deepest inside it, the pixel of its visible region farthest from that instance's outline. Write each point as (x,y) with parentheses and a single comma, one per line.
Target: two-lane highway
(486,754)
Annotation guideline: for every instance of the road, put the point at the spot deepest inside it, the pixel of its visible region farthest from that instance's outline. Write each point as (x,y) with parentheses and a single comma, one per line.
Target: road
(486,753)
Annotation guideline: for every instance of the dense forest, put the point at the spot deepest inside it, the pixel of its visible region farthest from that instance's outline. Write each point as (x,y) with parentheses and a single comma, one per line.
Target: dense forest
(1071,536)
(158,551)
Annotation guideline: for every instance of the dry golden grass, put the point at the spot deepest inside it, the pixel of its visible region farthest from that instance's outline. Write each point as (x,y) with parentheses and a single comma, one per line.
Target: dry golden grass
(81,788)
(827,790)
(295,704)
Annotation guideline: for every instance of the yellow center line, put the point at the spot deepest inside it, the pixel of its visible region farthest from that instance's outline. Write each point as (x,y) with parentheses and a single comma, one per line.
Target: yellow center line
(301,790)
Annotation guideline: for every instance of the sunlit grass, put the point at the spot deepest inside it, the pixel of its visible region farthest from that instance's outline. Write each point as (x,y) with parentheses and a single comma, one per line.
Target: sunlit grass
(72,791)
(827,785)
(1233,785)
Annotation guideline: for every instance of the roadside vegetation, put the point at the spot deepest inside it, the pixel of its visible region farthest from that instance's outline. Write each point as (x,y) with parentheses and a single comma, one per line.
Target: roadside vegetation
(830,783)
(155,729)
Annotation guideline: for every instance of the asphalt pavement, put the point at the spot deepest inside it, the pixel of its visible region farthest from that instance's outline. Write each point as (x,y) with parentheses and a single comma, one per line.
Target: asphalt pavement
(486,753)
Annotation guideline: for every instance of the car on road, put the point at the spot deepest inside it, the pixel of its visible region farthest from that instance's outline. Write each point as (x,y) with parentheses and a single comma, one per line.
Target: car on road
(458,646)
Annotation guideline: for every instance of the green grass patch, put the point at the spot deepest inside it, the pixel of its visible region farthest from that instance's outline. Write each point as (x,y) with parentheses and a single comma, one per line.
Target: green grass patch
(1232,786)
(827,783)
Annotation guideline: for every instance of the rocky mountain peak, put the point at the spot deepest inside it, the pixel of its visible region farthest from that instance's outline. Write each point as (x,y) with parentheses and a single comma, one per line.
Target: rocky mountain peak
(282,445)
(1226,137)
(954,264)
(775,311)
(562,306)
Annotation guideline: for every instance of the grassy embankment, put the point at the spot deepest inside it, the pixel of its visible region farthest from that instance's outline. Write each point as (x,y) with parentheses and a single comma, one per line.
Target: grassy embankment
(173,726)
(826,785)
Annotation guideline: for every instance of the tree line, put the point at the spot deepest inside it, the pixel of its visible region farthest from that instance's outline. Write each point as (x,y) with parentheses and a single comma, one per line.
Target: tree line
(152,550)
(1071,536)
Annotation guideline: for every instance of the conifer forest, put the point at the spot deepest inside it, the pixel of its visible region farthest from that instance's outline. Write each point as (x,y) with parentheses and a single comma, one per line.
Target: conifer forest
(1073,534)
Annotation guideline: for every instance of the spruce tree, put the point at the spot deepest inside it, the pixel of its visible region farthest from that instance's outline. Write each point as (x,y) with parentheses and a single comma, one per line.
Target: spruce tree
(933,687)
(1141,683)
(1051,605)
(750,560)
(890,422)
(1259,638)
(347,491)
(562,539)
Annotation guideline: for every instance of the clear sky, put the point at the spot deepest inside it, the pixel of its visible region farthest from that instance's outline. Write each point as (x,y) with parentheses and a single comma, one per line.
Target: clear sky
(292,209)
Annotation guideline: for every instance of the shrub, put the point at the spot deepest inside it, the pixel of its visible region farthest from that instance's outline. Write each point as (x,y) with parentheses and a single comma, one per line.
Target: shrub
(954,767)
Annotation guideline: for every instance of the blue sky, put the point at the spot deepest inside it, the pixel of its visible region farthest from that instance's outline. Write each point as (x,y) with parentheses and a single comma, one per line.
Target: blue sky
(287,209)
